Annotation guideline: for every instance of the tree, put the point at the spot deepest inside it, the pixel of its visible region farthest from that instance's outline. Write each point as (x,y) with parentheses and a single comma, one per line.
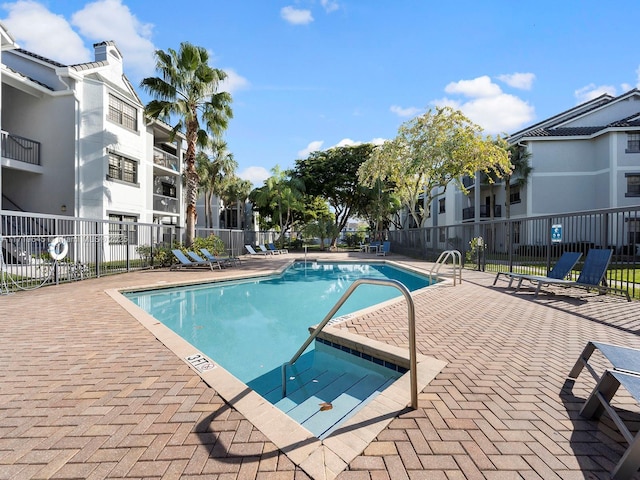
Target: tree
(212,172)
(430,152)
(332,175)
(278,200)
(520,169)
(187,91)
(235,190)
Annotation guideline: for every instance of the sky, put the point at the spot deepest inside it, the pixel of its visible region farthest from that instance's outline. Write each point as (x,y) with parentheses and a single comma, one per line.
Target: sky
(308,75)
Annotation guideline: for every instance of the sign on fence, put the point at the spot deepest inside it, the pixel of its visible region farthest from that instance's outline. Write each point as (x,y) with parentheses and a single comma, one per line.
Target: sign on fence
(556,233)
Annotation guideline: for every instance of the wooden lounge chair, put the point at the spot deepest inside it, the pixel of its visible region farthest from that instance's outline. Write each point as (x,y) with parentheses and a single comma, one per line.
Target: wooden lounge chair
(560,270)
(185,262)
(591,277)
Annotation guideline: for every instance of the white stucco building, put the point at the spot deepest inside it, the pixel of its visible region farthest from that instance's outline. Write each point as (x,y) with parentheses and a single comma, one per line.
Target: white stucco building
(75,142)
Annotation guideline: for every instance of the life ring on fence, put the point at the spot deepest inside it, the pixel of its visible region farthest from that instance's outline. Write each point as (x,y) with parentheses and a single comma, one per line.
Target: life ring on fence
(58,248)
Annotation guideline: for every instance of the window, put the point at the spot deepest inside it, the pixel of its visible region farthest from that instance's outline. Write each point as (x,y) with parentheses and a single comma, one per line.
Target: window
(634,231)
(442,234)
(121,168)
(633,184)
(441,206)
(122,113)
(123,229)
(514,194)
(633,143)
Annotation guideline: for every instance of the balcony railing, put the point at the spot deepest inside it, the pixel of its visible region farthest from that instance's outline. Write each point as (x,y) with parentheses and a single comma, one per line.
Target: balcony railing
(470,212)
(20,148)
(166,160)
(165,204)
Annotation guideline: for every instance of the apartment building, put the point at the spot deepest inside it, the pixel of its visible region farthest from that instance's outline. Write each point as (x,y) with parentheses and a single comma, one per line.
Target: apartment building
(75,142)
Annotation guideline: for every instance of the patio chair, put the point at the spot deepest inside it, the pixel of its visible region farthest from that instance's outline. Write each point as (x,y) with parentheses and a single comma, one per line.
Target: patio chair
(184,262)
(253,253)
(273,248)
(384,249)
(621,358)
(560,270)
(600,401)
(591,277)
(226,261)
(198,259)
(266,250)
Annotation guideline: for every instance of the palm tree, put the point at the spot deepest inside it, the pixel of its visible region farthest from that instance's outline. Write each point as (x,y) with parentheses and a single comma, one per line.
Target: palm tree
(235,190)
(520,169)
(212,172)
(187,91)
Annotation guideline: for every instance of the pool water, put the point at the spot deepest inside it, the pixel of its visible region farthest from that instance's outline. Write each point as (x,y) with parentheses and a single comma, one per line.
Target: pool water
(252,327)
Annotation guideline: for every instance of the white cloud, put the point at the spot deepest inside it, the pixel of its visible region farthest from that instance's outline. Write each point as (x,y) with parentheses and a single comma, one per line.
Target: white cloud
(38,30)
(405,112)
(296,16)
(111,20)
(329,5)
(312,147)
(488,106)
(378,141)
(478,87)
(523,81)
(591,91)
(347,142)
(256,175)
(233,82)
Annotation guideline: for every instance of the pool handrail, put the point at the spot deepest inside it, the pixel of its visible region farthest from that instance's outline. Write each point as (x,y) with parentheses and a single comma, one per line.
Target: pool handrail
(412,331)
(442,259)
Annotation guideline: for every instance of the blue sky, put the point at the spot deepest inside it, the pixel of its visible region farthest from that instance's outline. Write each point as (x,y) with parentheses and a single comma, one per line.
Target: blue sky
(312,74)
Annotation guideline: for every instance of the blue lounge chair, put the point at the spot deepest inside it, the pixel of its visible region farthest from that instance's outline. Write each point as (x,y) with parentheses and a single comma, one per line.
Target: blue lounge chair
(185,262)
(198,259)
(591,277)
(273,248)
(253,253)
(384,249)
(266,251)
(560,270)
(227,261)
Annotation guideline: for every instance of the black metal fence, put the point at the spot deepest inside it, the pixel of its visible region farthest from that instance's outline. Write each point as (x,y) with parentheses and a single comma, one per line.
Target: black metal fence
(532,245)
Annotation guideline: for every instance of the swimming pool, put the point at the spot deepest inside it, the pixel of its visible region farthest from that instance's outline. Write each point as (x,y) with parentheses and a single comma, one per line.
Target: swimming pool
(252,327)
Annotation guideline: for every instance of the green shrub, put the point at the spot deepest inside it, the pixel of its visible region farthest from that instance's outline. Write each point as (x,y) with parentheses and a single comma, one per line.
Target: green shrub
(213,244)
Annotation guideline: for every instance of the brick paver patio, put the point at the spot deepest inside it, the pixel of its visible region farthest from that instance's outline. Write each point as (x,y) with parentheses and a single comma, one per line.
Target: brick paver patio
(87,392)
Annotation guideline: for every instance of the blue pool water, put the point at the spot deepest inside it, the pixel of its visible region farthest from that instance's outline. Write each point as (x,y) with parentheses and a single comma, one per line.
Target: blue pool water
(253,327)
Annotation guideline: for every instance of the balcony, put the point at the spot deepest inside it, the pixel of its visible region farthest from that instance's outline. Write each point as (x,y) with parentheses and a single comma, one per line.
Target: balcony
(20,149)
(468,181)
(165,204)
(166,160)
(470,212)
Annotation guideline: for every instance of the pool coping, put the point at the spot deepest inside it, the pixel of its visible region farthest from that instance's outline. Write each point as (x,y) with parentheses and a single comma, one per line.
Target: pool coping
(321,459)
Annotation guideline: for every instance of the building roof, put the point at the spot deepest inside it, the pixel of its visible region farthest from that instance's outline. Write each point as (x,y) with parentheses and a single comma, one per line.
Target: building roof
(551,127)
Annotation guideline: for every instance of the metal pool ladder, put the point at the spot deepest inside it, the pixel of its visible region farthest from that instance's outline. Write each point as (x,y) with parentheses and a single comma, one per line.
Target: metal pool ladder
(412,332)
(442,259)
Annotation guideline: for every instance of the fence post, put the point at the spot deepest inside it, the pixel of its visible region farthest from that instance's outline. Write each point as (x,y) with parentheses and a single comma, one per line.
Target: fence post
(549,225)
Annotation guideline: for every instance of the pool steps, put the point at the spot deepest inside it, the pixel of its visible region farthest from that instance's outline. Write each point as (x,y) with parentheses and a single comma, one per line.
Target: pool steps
(310,387)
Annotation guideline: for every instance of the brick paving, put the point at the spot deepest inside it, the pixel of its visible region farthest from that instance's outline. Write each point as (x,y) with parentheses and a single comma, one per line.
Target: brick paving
(87,392)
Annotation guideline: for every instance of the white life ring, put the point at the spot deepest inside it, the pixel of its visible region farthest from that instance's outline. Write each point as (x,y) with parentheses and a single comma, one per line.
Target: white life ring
(58,248)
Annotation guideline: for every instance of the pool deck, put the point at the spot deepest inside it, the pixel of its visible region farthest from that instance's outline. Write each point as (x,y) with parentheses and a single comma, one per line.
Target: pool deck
(87,391)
